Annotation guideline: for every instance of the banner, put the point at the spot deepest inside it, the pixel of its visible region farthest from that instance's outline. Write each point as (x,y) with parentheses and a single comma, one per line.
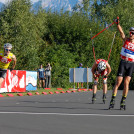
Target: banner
(15,81)
(31,80)
(80,75)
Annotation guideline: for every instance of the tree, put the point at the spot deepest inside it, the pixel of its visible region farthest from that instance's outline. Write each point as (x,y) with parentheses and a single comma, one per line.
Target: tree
(21,28)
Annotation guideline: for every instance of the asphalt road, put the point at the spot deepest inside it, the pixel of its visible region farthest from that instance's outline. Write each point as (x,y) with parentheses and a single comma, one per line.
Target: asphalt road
(69,113)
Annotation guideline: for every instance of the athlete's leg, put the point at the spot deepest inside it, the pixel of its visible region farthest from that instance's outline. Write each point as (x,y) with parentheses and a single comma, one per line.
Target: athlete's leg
(1,80)
(94,90)
(117,84)
(105,86)
(126,85)
(125,92)
(95,86)
(104,89)
(2,76)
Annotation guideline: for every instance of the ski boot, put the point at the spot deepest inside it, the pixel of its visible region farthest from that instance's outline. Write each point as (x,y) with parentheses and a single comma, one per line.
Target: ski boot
(112,103)
(122,105)
(93,100)
(104,99)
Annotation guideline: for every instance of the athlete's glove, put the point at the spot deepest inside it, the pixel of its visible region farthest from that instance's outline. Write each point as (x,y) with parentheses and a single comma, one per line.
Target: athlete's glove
(11,69)
(117,21)
(95,76)
(105,76)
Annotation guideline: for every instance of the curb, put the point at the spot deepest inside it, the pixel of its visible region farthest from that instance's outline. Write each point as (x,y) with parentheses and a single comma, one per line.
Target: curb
(19,94)
(45,93)
(29,94)
(50,92)
(37,93)
(57,92)
(1,95)
(10,95)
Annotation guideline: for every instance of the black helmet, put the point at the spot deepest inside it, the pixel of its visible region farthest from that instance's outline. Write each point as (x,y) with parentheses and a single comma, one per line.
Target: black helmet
(131,29)
(80,64)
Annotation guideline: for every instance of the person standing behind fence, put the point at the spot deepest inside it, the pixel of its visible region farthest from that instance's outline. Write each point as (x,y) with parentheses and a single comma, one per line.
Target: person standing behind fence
(48,75)
(80,66)
(41,76)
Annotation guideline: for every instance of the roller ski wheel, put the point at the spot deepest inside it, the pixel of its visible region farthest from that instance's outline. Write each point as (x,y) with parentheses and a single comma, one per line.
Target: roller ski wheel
(122,106)
(93,100)
(104,100)
(112,103)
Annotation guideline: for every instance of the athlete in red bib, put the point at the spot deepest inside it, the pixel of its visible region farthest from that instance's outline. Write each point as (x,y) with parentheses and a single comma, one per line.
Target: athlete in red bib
(100,68)
(126,66)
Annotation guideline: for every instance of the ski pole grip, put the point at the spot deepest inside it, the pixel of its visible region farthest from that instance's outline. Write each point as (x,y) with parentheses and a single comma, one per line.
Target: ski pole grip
(117,20)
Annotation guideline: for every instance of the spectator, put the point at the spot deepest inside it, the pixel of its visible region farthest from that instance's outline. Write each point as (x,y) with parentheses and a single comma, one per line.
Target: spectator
(41,76)
(48,75)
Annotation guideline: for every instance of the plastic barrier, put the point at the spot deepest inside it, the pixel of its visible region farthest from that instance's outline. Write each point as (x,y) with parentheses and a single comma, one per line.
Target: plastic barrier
(19,81)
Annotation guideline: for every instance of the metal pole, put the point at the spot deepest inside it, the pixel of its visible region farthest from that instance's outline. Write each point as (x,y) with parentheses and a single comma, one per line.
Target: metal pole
(74,77)
(87,79)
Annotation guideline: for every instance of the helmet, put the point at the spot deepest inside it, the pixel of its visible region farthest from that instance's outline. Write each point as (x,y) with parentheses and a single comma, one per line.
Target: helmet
(80,64)
(101,66)
(7,45)
(131,29)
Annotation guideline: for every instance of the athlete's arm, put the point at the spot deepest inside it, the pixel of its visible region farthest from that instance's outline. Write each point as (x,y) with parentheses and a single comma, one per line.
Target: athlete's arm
(14,61)
(93,69)
(121,32)
(108,69)
(120,29)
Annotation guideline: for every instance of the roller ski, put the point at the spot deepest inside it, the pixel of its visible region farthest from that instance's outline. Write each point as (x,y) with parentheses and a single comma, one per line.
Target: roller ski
(93,100)
(104,99)
(112,103)
(122,105)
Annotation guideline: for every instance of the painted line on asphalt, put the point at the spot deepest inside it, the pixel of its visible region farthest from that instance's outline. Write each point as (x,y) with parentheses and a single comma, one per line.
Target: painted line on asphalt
(70,114)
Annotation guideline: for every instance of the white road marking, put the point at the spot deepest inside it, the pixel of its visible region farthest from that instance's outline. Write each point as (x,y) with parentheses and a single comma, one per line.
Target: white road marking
(70,114)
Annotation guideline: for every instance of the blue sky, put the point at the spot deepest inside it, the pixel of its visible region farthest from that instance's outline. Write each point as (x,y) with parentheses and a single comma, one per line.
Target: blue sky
(5,1)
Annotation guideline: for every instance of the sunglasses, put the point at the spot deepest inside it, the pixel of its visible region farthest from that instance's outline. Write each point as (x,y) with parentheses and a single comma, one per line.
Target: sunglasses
(8,49)
(132,33)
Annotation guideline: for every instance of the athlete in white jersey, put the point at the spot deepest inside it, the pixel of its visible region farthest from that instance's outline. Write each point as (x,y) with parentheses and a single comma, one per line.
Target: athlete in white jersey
(126,66)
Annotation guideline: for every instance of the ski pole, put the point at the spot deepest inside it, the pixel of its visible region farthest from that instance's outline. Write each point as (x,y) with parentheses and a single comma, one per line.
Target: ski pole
(104,29)
(93,49)
(111,47)
(15,73)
